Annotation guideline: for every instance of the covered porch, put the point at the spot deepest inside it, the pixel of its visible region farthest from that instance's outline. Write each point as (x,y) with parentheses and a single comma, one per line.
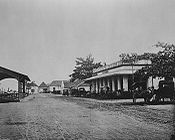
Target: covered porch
(21,78)
(115,81)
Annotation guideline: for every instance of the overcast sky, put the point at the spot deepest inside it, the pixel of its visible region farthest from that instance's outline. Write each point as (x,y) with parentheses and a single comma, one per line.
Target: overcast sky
(42,38)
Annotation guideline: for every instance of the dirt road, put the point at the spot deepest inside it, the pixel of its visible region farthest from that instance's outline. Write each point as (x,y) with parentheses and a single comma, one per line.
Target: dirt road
(45,116)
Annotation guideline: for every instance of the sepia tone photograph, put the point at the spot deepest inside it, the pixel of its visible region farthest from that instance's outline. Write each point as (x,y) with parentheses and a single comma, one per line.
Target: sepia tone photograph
(87,69)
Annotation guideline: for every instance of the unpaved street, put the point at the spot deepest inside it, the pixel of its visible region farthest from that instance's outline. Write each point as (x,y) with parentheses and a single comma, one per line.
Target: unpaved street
(45,116)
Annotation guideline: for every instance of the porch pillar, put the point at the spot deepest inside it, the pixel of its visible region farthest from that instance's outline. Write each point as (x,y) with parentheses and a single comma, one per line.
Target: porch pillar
(93,86)
(100,83)
(125,83)
(23,83)
(118,83)
(108,84)
(113,83)
(96,86)
(104,82)
(19,87)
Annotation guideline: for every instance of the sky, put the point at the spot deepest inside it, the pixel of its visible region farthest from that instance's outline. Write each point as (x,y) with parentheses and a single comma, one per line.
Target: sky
(43,38)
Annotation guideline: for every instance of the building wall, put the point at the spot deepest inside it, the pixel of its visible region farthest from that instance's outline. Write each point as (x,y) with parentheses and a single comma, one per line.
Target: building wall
(57,88)
(35,88)
(41,90)
(154,82)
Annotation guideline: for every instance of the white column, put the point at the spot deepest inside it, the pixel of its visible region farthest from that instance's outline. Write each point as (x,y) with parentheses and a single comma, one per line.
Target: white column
(100,83)
(108,82)
(113,84)
(96,90)
(118,83)
(104,82)
(125,83)
(19,87)
(93,86)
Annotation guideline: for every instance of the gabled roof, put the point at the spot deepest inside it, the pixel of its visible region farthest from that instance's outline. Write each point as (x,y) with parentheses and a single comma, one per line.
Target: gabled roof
(32,84)
(56,83)
(43,85)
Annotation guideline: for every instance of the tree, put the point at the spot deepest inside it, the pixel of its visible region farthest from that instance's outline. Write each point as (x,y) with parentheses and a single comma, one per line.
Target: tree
(163,63)
(130,59)
(84,68)
(133,58)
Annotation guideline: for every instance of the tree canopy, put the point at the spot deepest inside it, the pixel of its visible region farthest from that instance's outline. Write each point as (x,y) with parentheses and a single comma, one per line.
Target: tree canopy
(134,57)
(162,62)
(84,68)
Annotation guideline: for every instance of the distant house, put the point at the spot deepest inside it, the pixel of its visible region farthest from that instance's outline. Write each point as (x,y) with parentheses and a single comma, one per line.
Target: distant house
(32,87)
(55,86)
(43,87)
(59,86)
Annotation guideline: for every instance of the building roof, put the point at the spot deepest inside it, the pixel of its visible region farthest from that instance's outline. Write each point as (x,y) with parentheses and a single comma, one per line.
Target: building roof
(32,84)
(56,83)
(75,83)
(7,73)
(43,85)
(120,63)
(117,69)
(78,83)
(120,72)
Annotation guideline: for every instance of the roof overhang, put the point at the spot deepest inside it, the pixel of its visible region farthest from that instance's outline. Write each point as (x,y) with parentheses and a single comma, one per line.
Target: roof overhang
(121,72)
(7,73)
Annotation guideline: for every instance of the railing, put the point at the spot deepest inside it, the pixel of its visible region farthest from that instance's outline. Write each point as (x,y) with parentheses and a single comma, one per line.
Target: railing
(106,67)
(10,97)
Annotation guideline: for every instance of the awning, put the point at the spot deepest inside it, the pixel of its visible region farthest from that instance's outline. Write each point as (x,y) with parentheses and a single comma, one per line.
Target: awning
(121,72)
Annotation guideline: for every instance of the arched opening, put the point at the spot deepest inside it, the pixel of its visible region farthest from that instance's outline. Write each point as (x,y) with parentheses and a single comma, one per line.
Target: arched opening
(9,85)
(21,78)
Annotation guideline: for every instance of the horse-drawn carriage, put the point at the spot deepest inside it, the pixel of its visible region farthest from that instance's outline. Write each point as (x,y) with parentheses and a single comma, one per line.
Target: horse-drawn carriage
(165,90)
(139,90)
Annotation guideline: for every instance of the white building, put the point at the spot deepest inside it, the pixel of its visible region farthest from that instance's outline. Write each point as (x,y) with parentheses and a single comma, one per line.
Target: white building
(32,87)
(43,88)
(58,86)
(116,76)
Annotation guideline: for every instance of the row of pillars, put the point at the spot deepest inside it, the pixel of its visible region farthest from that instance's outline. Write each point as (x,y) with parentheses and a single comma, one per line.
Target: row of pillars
(114,83)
